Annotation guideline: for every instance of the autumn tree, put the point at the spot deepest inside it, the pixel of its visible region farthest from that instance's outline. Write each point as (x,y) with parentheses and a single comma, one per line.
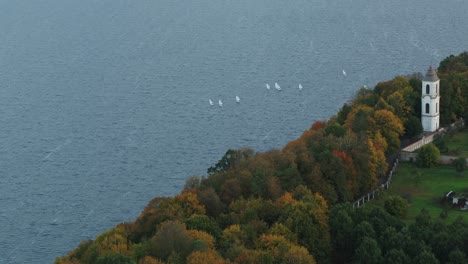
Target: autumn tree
(309,220)
(282,230)
(158,210)
(230,160)
(114,240)
(205,257)
(230,190)
(172,237)
(390,127)
(210,200)
(360,120)
(204,223)
(283,251)
(233,241)
(189,203)
(207,239)
(335,129)
(343,113)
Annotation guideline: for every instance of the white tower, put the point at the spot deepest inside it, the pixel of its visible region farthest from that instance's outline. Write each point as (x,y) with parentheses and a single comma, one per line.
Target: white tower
(430,101)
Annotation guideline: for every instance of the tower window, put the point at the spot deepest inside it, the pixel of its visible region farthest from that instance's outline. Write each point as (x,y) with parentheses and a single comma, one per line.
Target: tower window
(437,88)
(427,89)
(437,107)
(427,108)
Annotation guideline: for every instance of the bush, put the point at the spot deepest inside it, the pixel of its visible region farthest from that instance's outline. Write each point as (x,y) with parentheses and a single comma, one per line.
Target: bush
(428,155)
(459,164)
(439,142)
(396,206)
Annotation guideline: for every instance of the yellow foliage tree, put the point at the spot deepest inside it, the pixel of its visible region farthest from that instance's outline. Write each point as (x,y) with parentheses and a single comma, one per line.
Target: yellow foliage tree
(360,119)
(190,204)
(285,199)
(203,236)
(283,251)
(309,220)
(276,245)
(400,107)
(282,230)
(390,127)
(298,255)
(114,240)
(204,257)
(234,234)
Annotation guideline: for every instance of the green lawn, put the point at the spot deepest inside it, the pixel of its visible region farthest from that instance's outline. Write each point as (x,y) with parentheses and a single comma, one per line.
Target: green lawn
(425,193)
(458,143)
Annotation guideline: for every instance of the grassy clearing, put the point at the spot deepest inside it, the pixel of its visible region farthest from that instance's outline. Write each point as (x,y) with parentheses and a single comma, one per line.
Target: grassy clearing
(424,187)
(458,143)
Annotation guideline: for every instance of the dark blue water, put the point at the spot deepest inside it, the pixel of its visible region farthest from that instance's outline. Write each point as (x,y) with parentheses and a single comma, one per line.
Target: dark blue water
(104,104)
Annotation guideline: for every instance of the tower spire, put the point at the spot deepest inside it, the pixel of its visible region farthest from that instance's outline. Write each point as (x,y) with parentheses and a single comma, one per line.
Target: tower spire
(431,75)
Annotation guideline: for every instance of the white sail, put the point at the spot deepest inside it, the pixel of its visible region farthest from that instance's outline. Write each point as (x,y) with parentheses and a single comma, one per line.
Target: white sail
(300,86)
(344,73)
(277,86)
(220,102)
(237,99)
(268,86)
(211,102)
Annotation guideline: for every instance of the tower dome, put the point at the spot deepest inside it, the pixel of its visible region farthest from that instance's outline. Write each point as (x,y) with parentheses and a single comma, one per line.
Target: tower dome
(431,75)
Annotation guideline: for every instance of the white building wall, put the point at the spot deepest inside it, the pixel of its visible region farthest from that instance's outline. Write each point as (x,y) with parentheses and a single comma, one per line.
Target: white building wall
(430,121)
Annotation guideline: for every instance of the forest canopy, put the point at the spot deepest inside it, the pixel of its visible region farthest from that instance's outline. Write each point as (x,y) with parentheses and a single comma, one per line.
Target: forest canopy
(291,205)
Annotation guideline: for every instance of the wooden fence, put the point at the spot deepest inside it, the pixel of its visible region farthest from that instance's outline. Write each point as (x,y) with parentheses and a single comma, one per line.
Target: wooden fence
(406,154)
(372,194)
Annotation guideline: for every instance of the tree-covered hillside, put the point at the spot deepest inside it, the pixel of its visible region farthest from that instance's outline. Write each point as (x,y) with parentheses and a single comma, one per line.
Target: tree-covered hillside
(290,205)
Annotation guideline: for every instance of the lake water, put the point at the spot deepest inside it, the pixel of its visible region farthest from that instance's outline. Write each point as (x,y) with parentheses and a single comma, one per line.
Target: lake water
(104,104)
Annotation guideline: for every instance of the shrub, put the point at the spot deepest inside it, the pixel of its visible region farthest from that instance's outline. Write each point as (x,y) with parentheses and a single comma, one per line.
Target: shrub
(459,164)
(428,155)
(440,143)
(396,206)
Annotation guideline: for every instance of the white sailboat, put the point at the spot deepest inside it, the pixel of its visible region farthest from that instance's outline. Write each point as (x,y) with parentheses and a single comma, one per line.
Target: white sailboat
(211,102)
(237,99)
(300,86)
(220,102)
(344,73)
(277,86)
(268,86)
